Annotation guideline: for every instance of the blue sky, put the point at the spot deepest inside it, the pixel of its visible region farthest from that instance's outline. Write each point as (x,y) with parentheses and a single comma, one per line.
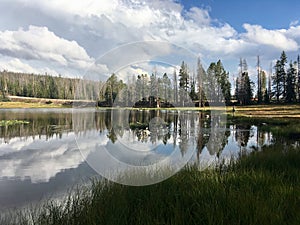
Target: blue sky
(68,37)
(271,14)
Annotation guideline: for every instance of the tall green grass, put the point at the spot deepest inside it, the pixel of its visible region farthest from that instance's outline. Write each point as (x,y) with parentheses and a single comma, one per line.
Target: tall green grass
(263,188)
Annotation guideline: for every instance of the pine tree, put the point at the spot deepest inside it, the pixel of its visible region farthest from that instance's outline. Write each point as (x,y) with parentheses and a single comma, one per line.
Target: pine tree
(291,83)
(153,88)
(298,77)
(223,82)
(111,89)
(259,88)
(175,87)
(211,83)
(193,94)
(244,90)
(270,84)
(279,78)
(183,82)
(263,81)
(166,87)
(283,61)
(277,81)
(219,83)
(200,81)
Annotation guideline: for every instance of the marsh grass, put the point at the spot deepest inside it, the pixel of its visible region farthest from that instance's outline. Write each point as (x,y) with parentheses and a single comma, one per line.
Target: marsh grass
(262,188)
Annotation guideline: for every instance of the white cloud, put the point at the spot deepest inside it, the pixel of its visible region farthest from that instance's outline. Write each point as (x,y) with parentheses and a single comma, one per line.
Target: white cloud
(274,38)
(294,23)
(199,16)
(293,32)
(81,8)
(73,34)
(16,65)
(38,43)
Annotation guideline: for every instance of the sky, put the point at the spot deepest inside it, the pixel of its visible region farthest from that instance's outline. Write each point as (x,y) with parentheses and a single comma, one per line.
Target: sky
(78,38)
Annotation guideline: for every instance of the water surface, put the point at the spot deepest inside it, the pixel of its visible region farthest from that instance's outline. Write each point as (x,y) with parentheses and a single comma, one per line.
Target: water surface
(47,157)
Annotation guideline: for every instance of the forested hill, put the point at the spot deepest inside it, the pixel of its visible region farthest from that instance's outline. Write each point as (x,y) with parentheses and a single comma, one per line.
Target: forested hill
(41,86)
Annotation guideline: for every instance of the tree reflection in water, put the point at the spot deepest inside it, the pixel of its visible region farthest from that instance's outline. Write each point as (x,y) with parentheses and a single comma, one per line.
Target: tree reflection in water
(45,153)
(185,129)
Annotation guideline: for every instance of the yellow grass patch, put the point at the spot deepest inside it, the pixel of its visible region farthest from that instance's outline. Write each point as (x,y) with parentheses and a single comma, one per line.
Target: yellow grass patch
(292,111)
(10,105)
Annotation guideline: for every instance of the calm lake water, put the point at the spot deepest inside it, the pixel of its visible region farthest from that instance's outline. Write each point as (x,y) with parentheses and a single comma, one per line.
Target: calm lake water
(61,148)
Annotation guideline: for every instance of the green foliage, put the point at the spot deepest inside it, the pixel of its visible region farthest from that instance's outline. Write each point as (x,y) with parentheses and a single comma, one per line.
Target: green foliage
(40,86)
(298,78)
(112,88)
(266,96)
(183,83)
(183,77)
(291,83)
(47,86)
(262,92)
(201,87)
(223,81)
(244,86)
(244,90)
(279,78)
(218,84)
(286,82)
(201,78)
(193,94)
(166,87)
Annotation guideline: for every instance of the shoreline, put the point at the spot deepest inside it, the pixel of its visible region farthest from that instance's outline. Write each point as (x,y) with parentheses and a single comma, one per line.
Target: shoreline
(267,111)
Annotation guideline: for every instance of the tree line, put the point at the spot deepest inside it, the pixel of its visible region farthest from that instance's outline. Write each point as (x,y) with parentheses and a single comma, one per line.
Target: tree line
(185,87)
(286,80)
(46,86)
(182,88)
(282,86)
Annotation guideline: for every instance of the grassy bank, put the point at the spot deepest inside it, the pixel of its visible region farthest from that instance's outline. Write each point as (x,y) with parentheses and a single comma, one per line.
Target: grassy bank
(262,111)
(29,102)
(263,188)
(15,105)
(268,111)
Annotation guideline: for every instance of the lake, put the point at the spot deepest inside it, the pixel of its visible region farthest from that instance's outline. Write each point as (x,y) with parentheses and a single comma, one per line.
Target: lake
(61,148)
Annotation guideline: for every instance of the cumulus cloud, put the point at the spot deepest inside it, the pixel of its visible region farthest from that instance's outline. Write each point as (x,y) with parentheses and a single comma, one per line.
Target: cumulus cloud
(199,16)
(81,8)
(73,35)
(274,38)
(293,32)
(38,43)
(17,65)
